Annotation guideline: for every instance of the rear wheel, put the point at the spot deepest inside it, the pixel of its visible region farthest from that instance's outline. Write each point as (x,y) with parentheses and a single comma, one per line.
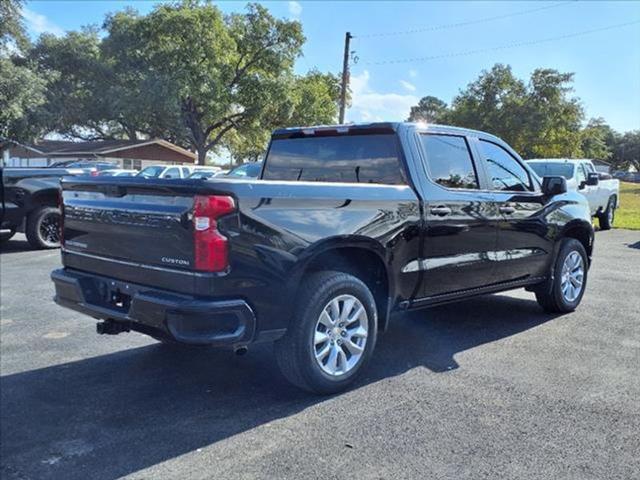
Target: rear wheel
(564,290)
(605,218)
(331,335)
(43,228)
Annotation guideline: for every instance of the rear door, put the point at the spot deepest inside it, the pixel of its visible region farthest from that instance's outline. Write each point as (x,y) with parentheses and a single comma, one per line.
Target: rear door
(522,249)
(459,233)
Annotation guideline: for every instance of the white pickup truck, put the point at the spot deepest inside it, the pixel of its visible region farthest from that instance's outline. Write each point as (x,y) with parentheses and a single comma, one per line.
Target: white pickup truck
(601,190)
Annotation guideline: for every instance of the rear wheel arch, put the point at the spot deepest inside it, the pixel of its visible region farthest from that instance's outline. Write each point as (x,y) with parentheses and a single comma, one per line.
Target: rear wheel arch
(363,262)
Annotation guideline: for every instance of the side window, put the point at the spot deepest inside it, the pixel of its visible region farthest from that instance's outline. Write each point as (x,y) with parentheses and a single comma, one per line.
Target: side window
(185,172)
(581,176)
(505,172)
(172,173)
(449,161)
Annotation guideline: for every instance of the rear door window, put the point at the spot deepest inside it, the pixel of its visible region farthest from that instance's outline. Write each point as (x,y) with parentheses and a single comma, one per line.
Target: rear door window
(347,158)
(449,161)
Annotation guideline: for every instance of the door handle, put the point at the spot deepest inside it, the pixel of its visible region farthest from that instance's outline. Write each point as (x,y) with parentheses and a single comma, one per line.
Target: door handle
(507,209)
(440,211)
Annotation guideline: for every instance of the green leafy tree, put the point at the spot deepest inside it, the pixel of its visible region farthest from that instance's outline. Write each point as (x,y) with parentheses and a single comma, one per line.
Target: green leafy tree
(215,74)
(12,34)
(429,109)
(21,88)
(626,151)
(538,118)
(598,139)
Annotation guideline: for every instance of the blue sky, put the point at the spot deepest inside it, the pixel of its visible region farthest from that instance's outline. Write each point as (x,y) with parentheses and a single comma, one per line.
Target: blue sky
(606,63)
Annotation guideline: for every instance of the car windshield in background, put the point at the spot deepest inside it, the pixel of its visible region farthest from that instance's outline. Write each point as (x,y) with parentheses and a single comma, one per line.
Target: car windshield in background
(248,170)
(552,169)
(346,158)
(150,172)
(204,174)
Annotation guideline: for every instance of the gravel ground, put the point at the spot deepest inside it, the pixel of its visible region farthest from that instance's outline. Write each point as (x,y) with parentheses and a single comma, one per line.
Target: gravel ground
(488,388)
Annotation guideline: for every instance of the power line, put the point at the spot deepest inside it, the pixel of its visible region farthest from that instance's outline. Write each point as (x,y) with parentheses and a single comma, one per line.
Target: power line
(502,47)
(462,24)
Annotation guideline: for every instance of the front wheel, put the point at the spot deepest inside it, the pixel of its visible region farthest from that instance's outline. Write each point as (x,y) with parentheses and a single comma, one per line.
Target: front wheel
(43,227)
(563,291)
(332,333)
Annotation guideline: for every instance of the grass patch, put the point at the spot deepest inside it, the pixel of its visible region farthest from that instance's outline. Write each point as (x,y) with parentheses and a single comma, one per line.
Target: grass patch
(628,215)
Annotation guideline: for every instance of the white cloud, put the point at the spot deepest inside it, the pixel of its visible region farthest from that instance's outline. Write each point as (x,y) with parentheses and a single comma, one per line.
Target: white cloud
(409,86)
(38,23)
(413,73)
(295,10)
(368,105)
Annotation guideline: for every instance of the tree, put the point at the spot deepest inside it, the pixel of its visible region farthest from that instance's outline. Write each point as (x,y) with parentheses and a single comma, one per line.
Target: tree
(626,152)
(312,100)
(429,109)
(597,139)
(12,34)
(538,118)
(216,74)
(21,89)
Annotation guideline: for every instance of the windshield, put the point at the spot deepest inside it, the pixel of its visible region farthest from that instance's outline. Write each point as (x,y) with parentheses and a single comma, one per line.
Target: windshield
(552,169)
(201,174)
(251,170)
(150,172)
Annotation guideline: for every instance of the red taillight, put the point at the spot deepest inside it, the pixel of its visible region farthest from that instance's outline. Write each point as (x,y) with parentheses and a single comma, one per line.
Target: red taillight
(211,250)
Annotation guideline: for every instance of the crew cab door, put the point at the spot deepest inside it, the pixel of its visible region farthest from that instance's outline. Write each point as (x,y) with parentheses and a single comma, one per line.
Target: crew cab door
(523,250)
(459,235)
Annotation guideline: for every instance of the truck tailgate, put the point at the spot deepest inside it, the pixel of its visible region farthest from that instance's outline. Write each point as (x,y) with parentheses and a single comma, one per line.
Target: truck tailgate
(134,220)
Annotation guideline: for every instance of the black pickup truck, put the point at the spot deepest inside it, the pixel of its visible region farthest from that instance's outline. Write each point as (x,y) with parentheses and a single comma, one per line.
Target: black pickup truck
(345,226)
(29,204)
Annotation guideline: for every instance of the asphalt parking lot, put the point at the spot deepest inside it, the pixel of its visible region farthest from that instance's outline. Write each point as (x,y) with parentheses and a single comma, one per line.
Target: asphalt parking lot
(489,388)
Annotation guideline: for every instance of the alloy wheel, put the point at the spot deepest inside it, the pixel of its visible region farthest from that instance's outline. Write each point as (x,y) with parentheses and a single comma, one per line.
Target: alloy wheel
(340,336)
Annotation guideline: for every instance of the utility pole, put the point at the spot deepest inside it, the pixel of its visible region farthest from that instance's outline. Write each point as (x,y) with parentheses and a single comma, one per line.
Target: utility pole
(345,76)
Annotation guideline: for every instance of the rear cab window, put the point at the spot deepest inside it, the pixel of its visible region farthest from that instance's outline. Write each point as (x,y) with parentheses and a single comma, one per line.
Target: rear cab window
(449,161)
(361,158)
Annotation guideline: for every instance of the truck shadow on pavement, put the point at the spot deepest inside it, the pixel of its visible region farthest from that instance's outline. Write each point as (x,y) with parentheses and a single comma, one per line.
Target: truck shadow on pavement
(16,245)
(116,414)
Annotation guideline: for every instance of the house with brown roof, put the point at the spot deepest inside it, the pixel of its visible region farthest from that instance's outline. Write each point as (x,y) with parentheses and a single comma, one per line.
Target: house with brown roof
(128,154)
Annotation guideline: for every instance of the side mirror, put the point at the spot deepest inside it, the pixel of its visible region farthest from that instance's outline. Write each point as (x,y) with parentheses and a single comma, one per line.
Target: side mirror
(592,179)
(554,185)
(168,176)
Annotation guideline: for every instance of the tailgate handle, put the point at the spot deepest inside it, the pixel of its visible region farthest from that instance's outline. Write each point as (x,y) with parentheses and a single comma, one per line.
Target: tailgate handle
(114,190)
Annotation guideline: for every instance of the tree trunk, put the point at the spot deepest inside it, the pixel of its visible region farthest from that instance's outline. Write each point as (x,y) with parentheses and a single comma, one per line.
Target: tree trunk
(202,154)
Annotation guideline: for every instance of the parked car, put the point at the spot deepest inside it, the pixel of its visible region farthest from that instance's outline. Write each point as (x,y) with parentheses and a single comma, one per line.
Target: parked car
(117,172)
(351,224)
(165,171)
(30,204)
(90,167)
(248,170)
(601,190)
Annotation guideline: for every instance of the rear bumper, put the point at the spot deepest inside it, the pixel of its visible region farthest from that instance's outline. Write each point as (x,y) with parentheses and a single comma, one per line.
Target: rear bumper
(159,313)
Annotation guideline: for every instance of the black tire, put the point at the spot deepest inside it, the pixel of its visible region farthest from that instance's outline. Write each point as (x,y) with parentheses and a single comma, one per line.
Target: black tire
(296,353)
(41,224)
(6,236)
(550,295)
(605,218)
